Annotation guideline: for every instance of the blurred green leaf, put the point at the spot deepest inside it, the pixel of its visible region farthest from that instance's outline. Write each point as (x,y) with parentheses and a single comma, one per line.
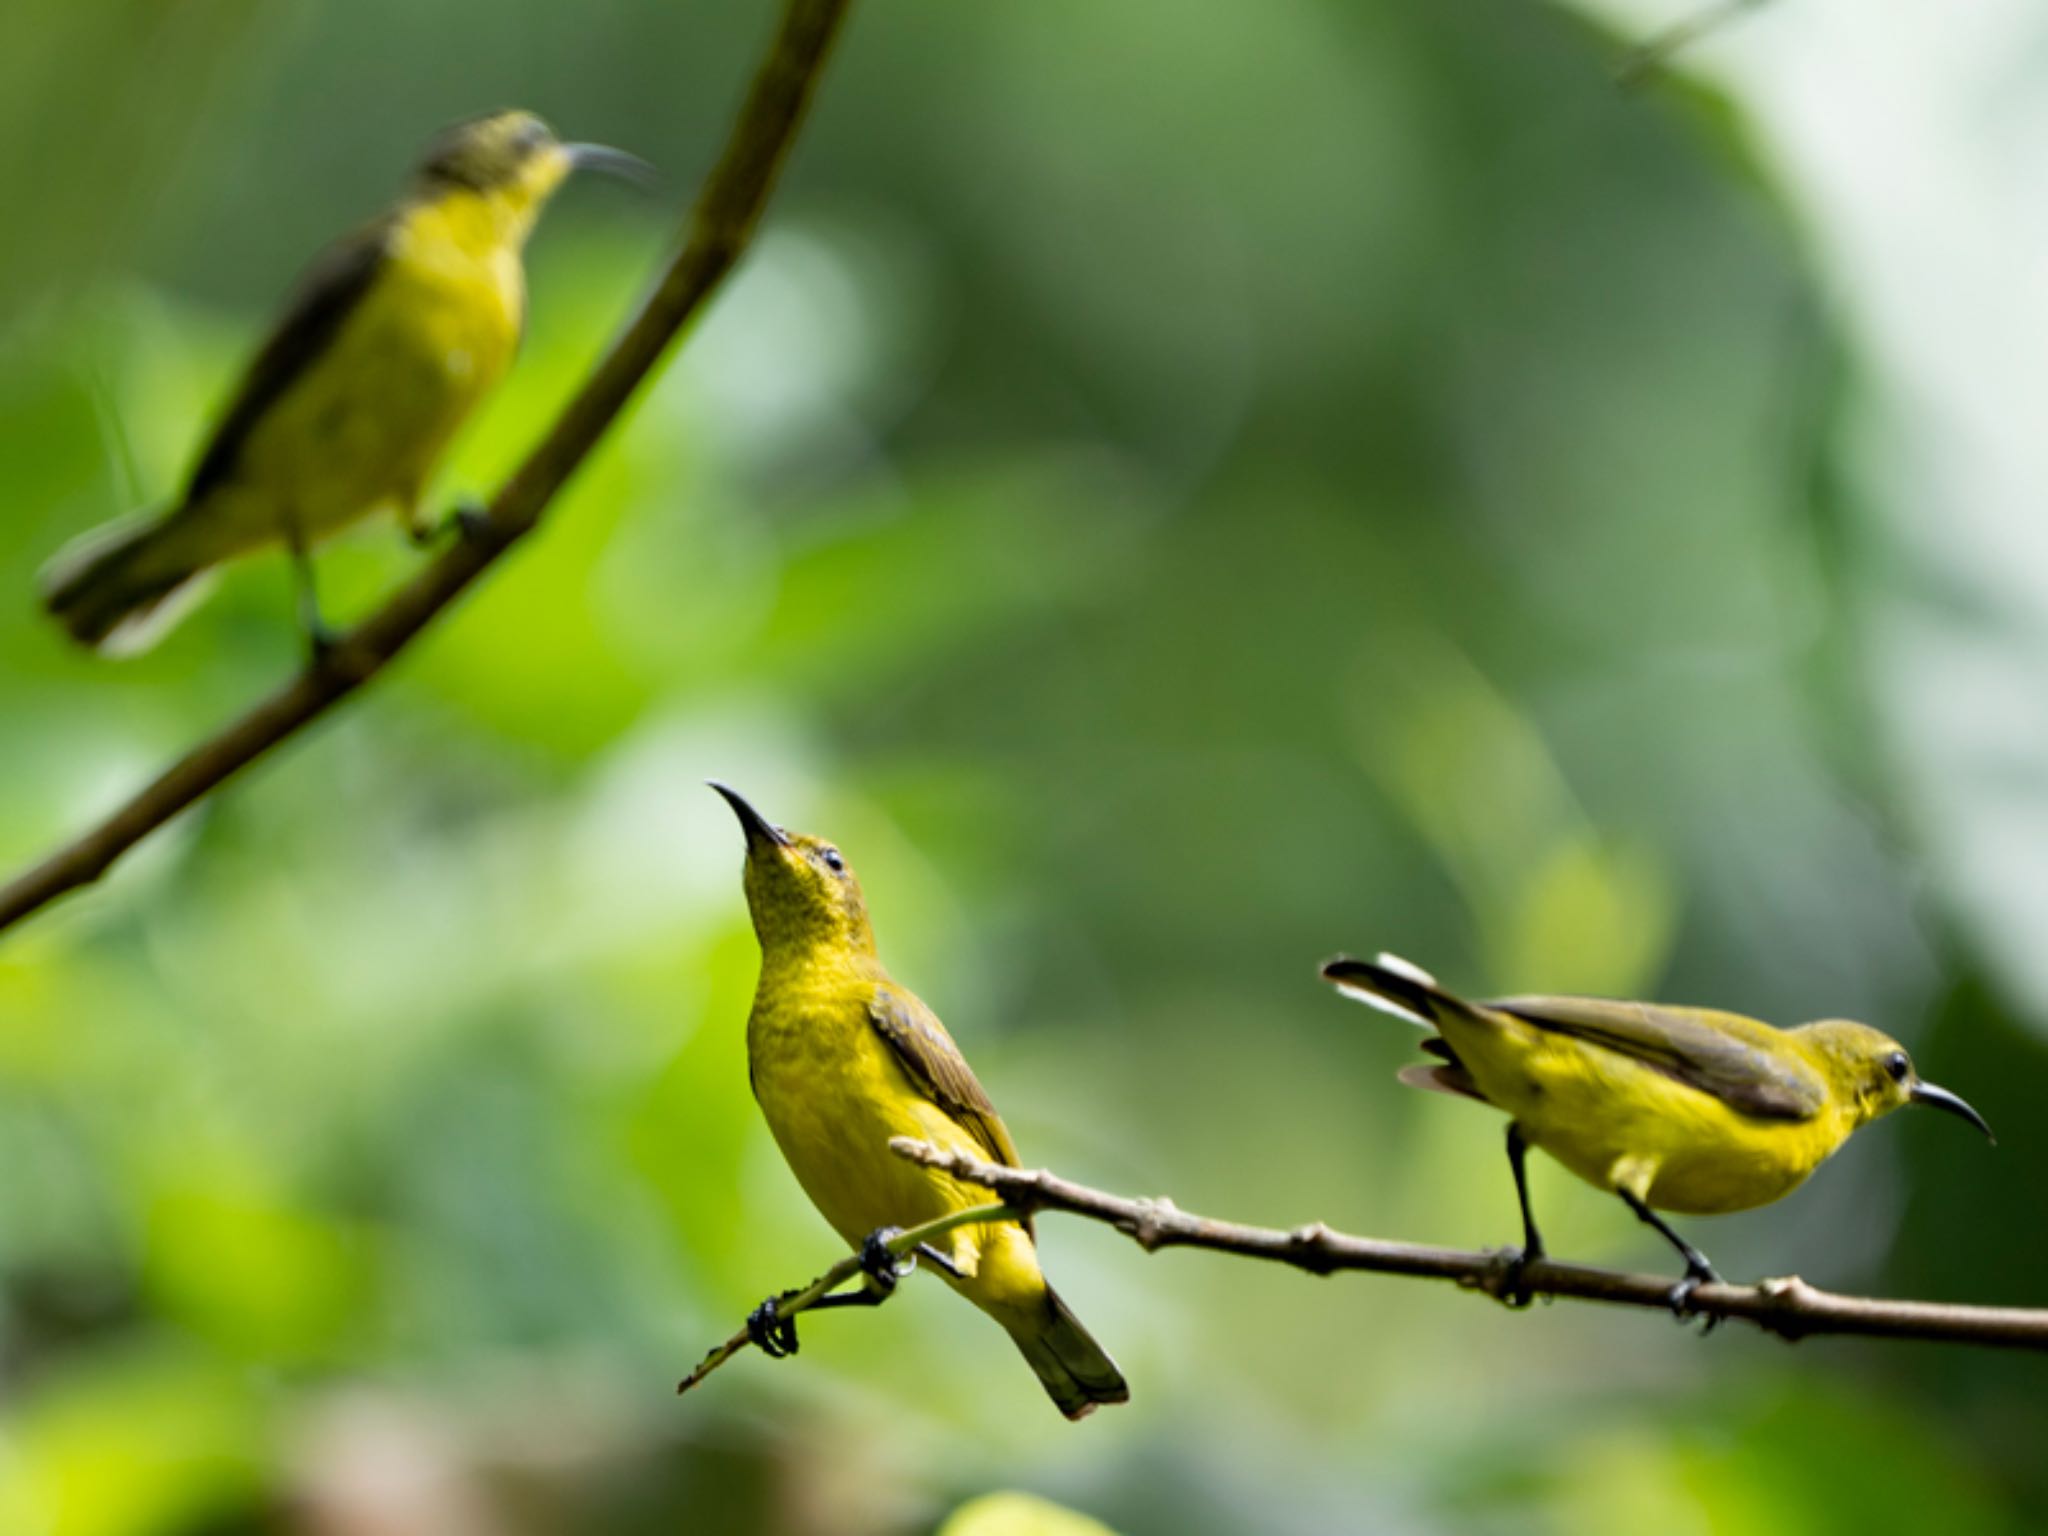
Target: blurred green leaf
(1018,1514)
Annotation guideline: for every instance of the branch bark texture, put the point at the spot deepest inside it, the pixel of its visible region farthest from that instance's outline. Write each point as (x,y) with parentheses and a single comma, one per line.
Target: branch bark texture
(1788,1307)
(720,227)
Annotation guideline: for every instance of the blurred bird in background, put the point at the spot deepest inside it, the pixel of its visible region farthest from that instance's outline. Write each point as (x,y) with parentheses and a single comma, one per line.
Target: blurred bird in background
(393,336)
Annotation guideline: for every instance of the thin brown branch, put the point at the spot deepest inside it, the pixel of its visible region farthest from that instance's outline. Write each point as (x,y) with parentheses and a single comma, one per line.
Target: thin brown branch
(790,1303)
(1789,1307)
(719,230)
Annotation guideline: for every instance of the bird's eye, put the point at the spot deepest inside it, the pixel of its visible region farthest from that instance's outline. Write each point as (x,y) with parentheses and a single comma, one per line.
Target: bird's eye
(1898,1066)
(832,860)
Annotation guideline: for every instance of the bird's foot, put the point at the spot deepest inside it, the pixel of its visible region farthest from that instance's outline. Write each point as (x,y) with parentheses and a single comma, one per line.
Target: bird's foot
(773,1334)
(321,643)
(468,522)
(1697,1273)
(882,1267)
(1508,1281)
(472,522)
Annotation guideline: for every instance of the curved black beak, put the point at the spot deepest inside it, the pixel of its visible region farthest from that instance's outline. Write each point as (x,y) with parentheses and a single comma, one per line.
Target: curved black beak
(758,827)
(1941,1098)
(607,161)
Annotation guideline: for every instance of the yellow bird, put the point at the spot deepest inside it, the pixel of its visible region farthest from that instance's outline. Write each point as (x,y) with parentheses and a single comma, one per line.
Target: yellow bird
(1677,1109)
(842,1059)
(390,340)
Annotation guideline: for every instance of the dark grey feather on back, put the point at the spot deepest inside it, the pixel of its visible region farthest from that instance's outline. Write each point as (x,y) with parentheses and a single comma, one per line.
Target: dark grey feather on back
(323,300)
(1723,1054)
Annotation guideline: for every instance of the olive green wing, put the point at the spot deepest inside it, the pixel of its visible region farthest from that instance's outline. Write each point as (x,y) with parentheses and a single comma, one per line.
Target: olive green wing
(1731,1057)
(934,1063)
(324,299)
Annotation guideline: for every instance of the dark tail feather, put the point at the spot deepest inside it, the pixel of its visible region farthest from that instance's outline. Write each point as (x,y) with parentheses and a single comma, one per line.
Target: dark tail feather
(114,590)
(1391,985)
(1077,1375)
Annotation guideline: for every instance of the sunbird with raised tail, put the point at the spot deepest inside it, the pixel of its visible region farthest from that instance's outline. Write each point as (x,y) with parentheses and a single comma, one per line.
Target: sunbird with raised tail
(392,337)
(1689,1110)
(842,1059)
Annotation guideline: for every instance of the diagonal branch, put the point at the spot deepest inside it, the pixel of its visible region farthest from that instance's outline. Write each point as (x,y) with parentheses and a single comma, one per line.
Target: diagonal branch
(1788,1307)
(720,228)
(787,1305)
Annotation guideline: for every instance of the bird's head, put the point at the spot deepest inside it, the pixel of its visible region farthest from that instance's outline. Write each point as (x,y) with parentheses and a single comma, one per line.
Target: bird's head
(800,890)
(514,160)
(1871,1072)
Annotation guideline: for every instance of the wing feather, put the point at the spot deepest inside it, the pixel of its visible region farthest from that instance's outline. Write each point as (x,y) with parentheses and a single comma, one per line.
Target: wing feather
(1723,1054)
(935,1065)
(324,298)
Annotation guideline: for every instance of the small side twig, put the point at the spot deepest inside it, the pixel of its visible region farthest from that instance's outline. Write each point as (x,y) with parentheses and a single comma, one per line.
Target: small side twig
(902,1246)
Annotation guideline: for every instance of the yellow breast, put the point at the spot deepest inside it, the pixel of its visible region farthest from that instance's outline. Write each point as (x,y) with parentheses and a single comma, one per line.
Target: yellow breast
(458,289)
(834,1094)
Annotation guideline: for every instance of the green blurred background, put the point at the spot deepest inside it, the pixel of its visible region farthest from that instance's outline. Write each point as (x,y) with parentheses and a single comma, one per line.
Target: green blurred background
(1181,488)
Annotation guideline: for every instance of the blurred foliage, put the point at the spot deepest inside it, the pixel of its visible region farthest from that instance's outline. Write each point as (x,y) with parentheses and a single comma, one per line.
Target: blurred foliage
(1179,490)
(1018,1514)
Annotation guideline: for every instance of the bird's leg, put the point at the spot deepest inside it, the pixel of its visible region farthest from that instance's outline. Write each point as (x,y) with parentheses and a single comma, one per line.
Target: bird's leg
(319,638)
(773,1335)
(1698,1271)
(944,1261)
(880,1270)
(1518,1159)
(1514,1292)
(866,1296)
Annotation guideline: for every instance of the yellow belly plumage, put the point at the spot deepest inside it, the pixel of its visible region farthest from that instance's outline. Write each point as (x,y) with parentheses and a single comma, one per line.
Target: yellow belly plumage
(363,428)
(1621,1125)
(833,1094)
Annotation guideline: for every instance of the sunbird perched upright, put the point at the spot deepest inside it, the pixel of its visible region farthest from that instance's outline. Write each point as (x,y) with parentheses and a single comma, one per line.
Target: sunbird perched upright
(1676,1109)
(842,1059)
(392,337)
